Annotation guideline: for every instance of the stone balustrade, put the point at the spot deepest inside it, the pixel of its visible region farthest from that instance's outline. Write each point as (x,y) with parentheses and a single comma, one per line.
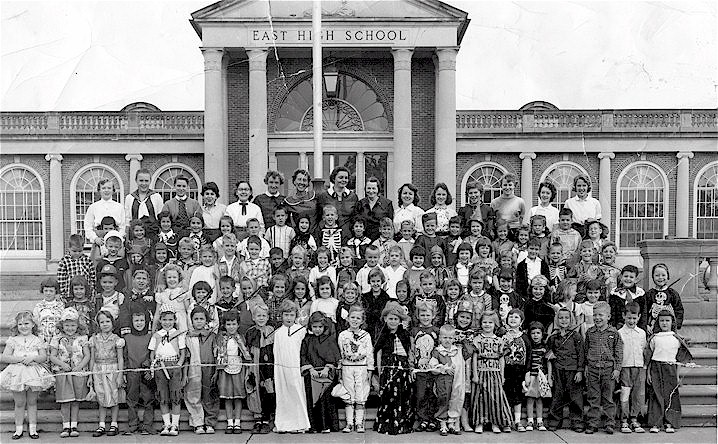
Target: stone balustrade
(590,121)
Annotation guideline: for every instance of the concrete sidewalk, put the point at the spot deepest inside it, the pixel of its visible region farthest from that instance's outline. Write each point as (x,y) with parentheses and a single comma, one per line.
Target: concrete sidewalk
(693,435)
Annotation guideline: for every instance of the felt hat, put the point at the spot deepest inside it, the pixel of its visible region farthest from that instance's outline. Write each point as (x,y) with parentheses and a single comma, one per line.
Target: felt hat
(465,306)
(394,308)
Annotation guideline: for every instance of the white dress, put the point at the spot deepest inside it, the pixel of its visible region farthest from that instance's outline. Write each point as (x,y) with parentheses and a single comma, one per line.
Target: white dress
(291,411)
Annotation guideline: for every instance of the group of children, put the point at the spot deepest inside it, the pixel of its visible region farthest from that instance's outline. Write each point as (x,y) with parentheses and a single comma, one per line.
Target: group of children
(454,332)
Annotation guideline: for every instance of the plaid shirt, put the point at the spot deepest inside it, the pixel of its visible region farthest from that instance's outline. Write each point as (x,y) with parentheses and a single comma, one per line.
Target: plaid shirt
(604,348)
(69,268)
(257,269)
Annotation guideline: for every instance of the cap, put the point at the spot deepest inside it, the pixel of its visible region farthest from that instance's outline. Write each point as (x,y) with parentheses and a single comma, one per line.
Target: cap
(108,269)
(136,249)
(437,250)
(167,308)
(465,307)
(160,246)
(112,233)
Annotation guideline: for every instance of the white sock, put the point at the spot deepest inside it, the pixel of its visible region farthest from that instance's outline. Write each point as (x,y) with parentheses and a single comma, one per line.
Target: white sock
(65,425)
(531,419)
(73,424)
(517,417)
(102,424)
(33,429)
(166,419)
(113,424)
(19,429)
(175,420)
(230,422)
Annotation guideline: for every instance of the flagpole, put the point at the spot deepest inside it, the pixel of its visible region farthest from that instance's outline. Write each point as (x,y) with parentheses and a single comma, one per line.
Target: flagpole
(317,92)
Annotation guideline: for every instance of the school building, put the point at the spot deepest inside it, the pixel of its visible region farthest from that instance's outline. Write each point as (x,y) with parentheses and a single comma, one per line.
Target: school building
(389,111)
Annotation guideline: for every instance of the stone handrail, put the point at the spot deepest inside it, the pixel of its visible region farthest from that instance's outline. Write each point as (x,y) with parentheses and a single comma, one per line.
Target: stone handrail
(536,121)
(94,123)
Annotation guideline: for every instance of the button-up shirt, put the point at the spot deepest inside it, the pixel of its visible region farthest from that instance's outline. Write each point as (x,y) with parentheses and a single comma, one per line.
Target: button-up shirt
(604,348)
(410,212)
(234,211)
(533,267)
(586,208)
(100,209)
(634,343)
(212,215)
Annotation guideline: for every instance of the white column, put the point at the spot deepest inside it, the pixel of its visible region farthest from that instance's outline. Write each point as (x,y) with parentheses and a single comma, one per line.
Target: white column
(135,165)
(527,180)
(402,114)
(57,224)
(361,175)
(682,191)
(604,186)
(445,151)
(216,168)
(303,160)
(258,149)
(317,95)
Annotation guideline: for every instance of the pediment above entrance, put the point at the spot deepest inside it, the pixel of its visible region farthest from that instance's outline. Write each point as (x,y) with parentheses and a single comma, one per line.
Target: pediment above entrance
(396,23)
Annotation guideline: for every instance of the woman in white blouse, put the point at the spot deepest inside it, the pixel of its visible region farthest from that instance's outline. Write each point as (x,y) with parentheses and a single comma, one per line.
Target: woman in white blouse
(546,195)
(582,204)
(441,199)
(408,209)
(243,210)
(101,208)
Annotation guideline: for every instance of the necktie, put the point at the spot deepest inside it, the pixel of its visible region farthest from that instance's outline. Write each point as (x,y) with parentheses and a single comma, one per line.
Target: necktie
(244,208)
(182,217)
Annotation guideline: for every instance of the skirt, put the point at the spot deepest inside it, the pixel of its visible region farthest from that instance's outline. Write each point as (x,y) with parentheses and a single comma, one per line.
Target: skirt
(20,377)
(104,379)
(489,403)
(664,401)
(514,375)
(539,387)
(70,388)
(395,414)
(232,386)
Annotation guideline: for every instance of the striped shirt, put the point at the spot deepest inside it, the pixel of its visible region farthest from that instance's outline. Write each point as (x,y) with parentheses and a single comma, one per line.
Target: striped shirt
(280,237)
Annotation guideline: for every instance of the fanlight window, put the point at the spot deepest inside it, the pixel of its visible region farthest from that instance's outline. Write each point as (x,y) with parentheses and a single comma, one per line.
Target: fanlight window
(641,205)
(707,204)
(21,200)
(86,192)
(561,176)
(356,108)
(164,182)
(489,175)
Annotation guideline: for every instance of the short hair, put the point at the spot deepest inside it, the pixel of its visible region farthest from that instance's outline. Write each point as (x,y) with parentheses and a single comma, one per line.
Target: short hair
(483,241)
(502,223)
(464,246)
(386,222)
(408,223)
(375,180)
(164,214)
(607,244)
(251,281)
(601,305)
(303,172)
(272,174)
(211,186)
(374,272)
(371,248)
(199,309)
(201,285)
(413,190)
(167,268)
(327,208)
(630,269)
(252,220)
(549,186)
(427,275)
(453,282)
(565,212)
(350,286)
(254,240)
(185,242)
(455,220)
(587,243)
(509,177)
(535,325)
(477,273)
(539,281)
(76,240)
(356,309)
(207,248)
(534,242)
(663,266)
(443,186)
(346,250)
(322,250)
(325,280)
(632,308)
(594,284)
(181,177)
(240,182)
(474,185)
(77,280)
(300,280)
(226,279)
(50,282)
(230,315)
(279,278)
(417,250)
(425,306)
(280,208)
(493,315)
(276,251)
(446,330)
(523,227)
(517,311)
(229,237)
(396,248)
(584,178)
(287,306)
(103,181)
(298,249)
(142,171)
(106,314)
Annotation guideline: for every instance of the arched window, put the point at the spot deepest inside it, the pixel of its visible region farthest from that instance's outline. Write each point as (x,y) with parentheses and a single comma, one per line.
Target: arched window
(356,107)
(21,210)
(163,181)
(487,174)
(84,192)
(561,175)
(706,203)
(642,196)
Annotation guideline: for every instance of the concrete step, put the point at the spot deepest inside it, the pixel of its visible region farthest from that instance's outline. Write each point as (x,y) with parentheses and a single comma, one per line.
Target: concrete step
(700,332)
(700,376)
(12,282)
(699,394)
(699,416)
(704,356)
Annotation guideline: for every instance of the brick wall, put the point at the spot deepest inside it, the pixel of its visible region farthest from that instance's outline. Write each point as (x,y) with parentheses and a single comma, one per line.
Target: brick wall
(422,127)
(238,121)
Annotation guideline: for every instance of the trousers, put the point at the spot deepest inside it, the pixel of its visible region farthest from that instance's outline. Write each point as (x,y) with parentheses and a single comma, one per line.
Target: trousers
(566,392)
(600,387)
(140,395)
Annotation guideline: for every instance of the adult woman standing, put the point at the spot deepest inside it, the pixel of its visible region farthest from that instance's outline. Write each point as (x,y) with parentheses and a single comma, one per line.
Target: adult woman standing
(272,198)
(212,210)
(441,199)
(373,208)
(101,208)
(546,195)
(341,197)
(243,210)
(408,199)
(583,206)
(475,208)
(304,201)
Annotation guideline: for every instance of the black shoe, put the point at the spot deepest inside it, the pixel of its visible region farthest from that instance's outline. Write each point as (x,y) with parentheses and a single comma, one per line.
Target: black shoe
(265,429)
(578,429)
(34,436)
(609,430)
(16,436)
(590,430)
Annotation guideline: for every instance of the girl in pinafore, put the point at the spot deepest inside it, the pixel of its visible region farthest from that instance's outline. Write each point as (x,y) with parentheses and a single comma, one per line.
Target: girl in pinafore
(167,352)
(25,377)
(489,404)
(395,414)
(173,294)
(231,352)
(106,364)
(70,352)
(48,311)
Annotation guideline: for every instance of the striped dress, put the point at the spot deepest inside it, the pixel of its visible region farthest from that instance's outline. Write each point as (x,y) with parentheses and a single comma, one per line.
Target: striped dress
(489,403)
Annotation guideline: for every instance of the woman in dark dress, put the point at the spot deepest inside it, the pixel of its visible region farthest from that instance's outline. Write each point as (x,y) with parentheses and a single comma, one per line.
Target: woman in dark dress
(303,202)
(373,208)
(319,357)
(341,197)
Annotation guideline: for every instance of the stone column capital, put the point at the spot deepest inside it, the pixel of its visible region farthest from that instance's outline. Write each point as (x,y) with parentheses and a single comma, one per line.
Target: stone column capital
(131,157)
(684,155)
(51,157)
(212,58)
(402,58)
(257,59)
(607,155)
(447,58)
(529,155)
